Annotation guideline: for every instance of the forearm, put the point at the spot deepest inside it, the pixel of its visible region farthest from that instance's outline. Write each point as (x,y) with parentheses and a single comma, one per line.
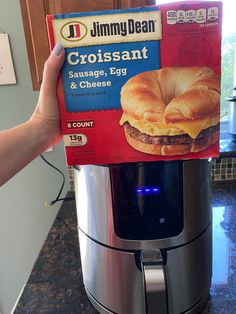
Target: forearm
(20,145)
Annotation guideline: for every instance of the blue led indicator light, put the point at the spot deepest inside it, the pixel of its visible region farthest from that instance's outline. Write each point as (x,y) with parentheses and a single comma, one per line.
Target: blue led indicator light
(147,190)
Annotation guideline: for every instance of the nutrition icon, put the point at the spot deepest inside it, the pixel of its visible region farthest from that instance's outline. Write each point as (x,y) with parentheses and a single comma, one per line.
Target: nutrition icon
(192,16)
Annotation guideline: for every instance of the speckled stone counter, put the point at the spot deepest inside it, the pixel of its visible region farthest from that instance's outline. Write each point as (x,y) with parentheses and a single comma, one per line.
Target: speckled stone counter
(55,285)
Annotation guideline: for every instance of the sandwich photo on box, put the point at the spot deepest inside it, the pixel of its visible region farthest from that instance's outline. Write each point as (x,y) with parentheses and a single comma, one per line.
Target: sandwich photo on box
(171,111)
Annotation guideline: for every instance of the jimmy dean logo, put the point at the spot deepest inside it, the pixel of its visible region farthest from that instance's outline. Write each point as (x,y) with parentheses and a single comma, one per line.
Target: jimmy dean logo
(122,28)
(86,30)
(74,31)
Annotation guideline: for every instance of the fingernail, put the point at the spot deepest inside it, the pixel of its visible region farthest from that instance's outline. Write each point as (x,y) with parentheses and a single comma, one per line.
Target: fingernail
(57,49)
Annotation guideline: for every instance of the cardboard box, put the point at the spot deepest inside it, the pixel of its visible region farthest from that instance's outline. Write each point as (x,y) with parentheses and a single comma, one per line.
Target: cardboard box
(140,84)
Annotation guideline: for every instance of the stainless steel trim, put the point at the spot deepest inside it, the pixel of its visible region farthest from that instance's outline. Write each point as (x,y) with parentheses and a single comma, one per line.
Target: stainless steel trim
(112,277)
(188,272)
(200,307)
(154,282)
(101,309)
(95,213)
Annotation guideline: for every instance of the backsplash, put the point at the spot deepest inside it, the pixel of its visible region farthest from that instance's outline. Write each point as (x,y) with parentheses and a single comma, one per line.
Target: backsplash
(223,169)
(71,177)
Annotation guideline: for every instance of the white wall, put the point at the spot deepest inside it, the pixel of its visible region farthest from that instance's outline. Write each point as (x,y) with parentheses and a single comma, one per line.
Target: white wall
(24,221)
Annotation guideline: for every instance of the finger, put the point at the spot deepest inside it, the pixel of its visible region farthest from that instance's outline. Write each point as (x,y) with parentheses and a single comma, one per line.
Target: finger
(51,71)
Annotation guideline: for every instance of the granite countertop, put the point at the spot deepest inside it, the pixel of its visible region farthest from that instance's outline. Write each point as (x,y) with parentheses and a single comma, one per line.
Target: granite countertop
(55,285)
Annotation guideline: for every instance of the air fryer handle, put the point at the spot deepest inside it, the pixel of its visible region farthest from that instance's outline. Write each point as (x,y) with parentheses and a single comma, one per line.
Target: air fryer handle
(154,282)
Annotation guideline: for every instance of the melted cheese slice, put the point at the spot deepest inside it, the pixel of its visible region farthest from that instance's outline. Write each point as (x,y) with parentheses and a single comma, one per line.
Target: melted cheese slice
(192,128)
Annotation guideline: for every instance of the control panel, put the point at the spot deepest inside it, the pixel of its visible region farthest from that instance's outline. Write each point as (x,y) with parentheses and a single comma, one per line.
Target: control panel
(147,199)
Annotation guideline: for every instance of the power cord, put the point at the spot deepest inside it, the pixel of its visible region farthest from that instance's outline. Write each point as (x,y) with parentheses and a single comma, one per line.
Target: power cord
(57,199)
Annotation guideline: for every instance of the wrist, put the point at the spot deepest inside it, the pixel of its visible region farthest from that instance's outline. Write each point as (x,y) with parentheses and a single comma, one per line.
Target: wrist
(47,134)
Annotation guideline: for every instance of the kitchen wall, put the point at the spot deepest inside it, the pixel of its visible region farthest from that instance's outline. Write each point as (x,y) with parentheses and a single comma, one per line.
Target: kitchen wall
(24,220)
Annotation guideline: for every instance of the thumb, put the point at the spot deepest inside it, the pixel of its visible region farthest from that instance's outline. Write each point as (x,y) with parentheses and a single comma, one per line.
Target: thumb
(51,71)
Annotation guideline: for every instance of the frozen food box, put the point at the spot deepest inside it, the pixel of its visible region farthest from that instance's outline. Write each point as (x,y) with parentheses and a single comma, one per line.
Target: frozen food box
(140,84)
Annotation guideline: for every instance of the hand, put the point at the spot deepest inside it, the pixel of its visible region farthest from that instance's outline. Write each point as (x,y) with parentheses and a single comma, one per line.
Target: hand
(46,113)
